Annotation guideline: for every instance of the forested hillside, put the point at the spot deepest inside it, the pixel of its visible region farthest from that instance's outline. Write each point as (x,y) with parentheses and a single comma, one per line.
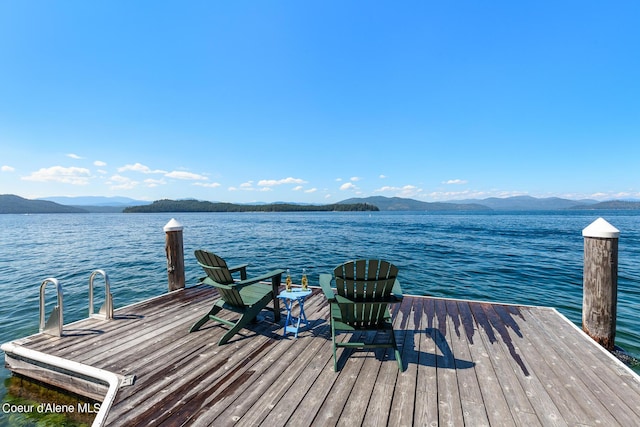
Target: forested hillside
(201,206)
(12,204)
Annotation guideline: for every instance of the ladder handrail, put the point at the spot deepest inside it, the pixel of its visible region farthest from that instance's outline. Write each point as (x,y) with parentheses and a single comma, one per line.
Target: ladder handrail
(107,308)
(52,326)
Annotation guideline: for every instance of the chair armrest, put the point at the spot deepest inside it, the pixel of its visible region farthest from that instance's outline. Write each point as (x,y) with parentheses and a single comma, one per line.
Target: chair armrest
(339,299)
(262,278)
(325,284)
(396,291)
(242,268)
(209,281)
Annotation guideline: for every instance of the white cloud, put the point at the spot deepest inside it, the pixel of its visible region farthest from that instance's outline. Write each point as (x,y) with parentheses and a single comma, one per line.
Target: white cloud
(410,191)
(406,191)
(382,176)
(355,178)
(151,183)
(611,196)
(186,175)
(6,168)
(348,186)
(598,195)
(385,189)
(72,175)
(472,194)
(138,167)
(118,179)
(119,182)
(455,181)
(74,156)
(301,188)
(454,195)
(495,193)
(207,184)
(99,163)
(273,182)
(245,186)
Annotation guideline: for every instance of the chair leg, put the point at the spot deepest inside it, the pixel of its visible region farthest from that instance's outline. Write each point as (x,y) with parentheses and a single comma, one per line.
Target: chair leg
(399,359)
(246,318)
(333,341)
(397,351)
(205,318)
(230,333)
(275,285)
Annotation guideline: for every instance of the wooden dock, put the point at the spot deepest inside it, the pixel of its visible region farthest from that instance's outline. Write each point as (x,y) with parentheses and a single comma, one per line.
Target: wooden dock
(466,363)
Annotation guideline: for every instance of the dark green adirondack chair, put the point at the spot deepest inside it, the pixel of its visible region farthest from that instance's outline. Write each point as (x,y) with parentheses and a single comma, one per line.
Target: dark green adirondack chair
(246,297)
(365,288)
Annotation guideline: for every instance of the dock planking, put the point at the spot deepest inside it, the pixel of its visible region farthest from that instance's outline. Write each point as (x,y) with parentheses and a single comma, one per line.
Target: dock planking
(466,363)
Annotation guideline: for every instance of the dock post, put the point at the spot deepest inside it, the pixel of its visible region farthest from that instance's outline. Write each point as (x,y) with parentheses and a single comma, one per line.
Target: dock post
(600,282)
(175,254)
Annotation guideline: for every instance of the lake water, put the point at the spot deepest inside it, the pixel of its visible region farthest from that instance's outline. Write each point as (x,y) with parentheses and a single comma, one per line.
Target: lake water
(531,258)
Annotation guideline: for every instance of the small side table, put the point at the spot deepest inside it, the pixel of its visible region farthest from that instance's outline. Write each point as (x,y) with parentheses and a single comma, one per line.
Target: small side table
(292,324)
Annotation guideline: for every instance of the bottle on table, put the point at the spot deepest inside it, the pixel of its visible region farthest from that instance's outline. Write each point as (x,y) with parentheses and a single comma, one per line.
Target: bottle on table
(288,281)
(304,281)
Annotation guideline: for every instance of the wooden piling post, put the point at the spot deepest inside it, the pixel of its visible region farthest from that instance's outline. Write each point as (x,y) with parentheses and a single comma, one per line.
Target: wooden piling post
(175,254)
(600,282)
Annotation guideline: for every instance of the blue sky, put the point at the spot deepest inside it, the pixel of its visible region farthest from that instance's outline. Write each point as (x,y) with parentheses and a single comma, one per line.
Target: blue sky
(320,101)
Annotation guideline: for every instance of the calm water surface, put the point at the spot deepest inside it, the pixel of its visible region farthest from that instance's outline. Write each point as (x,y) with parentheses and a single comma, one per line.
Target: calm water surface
(522,258)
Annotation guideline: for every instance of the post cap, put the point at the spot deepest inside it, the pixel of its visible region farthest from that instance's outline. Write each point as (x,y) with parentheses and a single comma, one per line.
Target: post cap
(601,228)
(173,225)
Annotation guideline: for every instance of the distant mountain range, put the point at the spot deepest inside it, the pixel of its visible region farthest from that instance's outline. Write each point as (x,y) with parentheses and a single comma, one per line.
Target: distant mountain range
(95,201)
(12,204)
(528,203)
(97,204)
(517,203)
(626,205)
(402,204)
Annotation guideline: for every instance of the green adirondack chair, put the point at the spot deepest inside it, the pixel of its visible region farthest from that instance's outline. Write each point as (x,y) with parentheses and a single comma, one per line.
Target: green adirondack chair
(246,297)
(365,288)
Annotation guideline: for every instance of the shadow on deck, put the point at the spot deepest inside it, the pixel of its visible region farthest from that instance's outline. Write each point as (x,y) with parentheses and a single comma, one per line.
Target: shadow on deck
(466,363)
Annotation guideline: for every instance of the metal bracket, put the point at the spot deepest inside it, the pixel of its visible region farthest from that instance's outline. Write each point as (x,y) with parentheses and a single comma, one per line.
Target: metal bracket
(128,380)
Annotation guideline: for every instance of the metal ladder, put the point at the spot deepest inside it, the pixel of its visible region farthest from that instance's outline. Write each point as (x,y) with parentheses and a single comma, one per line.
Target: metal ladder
(106,310)
(53,325)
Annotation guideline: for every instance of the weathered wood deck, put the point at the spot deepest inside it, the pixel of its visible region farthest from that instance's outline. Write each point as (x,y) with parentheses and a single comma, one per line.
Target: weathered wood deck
(466,363)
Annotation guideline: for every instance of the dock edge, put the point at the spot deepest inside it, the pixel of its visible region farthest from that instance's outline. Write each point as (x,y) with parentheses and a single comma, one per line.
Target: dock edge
(114,381)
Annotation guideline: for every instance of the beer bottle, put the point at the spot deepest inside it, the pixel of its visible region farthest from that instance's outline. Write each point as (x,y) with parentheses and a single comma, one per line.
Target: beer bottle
(288,281)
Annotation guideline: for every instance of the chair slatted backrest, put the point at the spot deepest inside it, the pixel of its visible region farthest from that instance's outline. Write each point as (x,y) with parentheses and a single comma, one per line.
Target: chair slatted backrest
(368,283)
(218,271)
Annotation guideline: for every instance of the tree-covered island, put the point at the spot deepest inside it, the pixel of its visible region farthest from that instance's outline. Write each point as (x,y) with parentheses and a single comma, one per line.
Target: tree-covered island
(203,206)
